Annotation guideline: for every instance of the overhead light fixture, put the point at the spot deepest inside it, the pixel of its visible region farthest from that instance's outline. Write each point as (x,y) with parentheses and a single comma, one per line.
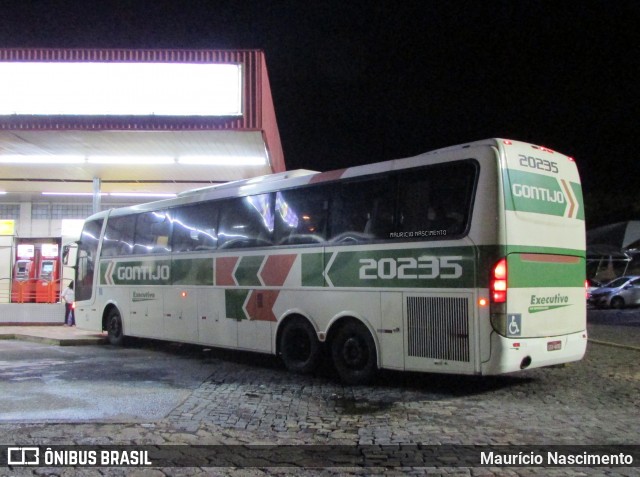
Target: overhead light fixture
(131,160)
(204,160)
(72,194)
(120,89)
(141,194)
(40,159)
(112,194)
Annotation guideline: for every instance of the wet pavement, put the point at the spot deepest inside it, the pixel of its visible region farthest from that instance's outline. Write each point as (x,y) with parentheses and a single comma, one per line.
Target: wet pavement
(153,393)
(65,383)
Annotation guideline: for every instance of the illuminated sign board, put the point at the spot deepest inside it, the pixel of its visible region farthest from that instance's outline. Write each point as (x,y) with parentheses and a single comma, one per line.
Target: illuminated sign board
(7,227)
(49,250)
(26,250)
(120,89)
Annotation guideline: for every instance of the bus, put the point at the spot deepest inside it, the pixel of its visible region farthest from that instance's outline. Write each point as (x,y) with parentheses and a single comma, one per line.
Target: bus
(465,260)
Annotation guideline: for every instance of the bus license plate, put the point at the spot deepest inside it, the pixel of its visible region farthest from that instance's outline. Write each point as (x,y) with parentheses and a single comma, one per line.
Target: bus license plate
(554,345)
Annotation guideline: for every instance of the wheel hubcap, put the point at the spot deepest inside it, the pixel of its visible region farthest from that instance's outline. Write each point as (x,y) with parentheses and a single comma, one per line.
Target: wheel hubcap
(353,353)
(300,347)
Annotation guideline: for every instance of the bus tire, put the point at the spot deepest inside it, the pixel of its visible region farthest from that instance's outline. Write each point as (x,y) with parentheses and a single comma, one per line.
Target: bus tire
(353,352)
(299,346)
(114,328)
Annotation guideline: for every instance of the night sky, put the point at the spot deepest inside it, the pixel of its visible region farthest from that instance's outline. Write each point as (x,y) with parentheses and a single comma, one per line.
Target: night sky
(359,82)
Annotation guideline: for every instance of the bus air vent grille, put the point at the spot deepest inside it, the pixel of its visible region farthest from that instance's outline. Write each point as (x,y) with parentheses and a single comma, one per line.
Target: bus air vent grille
(438,327)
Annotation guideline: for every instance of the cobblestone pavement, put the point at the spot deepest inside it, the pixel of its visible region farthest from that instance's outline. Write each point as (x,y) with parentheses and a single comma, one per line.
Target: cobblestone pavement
(595,401)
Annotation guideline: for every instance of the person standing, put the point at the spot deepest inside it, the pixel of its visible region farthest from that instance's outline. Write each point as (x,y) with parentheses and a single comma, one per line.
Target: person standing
(69,296)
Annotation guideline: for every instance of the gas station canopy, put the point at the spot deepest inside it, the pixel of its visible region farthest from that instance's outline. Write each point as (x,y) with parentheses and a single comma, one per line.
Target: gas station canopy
(136,121)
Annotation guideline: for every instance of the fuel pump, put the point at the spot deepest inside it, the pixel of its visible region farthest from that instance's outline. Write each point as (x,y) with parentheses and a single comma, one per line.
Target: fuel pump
(24,273)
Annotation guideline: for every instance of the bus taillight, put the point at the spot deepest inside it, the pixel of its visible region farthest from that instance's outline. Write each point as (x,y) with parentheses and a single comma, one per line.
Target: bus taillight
(498,293)
(499,282)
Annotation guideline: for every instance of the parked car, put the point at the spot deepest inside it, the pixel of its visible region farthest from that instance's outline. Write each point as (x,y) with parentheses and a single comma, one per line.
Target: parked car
(592,285)
(621,292)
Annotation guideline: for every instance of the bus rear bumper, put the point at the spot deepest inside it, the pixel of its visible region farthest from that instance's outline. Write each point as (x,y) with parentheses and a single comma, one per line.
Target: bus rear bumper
(516,354)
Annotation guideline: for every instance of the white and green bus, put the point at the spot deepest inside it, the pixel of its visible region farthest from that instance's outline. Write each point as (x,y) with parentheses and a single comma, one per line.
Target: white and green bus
(467,260)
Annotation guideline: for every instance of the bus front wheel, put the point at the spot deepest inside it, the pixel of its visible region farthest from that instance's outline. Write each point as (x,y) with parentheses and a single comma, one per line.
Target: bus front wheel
(299,346)
(114,328)
(354,353)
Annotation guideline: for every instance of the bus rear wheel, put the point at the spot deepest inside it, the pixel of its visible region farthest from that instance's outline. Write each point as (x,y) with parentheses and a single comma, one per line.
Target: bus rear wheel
(299,346)
(114,328)
(354,353)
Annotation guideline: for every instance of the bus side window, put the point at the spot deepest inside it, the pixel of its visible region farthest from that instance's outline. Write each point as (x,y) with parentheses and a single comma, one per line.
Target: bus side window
(118,236)
(301,215)
(195,227)
(246,222)
(363,211)
(152,233)
(436,202)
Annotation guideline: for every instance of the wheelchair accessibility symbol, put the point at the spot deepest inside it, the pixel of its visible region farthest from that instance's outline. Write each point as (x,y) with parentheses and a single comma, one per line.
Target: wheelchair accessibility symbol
(514,324)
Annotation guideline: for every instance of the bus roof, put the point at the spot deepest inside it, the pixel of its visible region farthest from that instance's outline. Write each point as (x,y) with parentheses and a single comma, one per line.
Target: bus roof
(300,177)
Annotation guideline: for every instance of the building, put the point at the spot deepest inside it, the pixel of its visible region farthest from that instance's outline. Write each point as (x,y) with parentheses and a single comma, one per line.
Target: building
(613,251)
(83,130)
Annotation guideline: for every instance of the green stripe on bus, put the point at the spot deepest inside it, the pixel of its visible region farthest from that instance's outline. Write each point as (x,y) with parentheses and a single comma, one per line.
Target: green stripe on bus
(441,267)
(234,301)
(193,271)
(542,194)
(247,270)
(450,267)
(147,272)
(523,273)
(312,269)
(545,250)
(577,192)
(536,193)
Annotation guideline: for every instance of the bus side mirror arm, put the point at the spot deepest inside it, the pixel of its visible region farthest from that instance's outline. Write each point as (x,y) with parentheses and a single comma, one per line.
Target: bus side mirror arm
(65,252)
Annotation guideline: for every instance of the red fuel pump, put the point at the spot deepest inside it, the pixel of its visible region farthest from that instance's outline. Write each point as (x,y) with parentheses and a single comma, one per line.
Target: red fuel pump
(23,282)
(48,283)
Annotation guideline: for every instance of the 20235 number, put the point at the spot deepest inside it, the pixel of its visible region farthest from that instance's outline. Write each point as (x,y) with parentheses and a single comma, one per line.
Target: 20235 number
(409,268)
(537,163)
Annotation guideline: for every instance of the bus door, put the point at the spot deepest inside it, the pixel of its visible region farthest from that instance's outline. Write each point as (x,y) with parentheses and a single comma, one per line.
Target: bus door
(214,327)
(181,314)
(254,329)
